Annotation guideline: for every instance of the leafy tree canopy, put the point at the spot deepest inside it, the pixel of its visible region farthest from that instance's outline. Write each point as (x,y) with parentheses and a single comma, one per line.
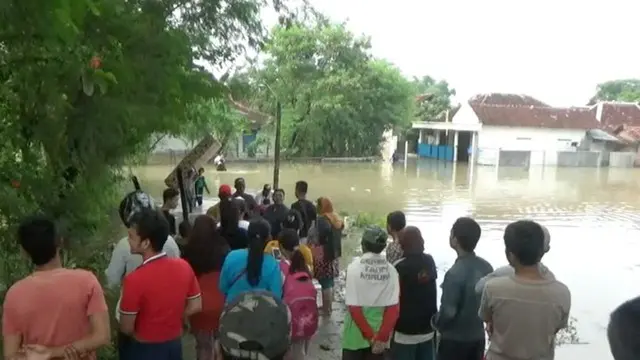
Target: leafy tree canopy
(86,84)
(433,98)
(337,99)
(627,90)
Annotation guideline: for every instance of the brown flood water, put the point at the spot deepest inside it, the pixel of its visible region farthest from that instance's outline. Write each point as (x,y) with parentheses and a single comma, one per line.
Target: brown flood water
(592,215)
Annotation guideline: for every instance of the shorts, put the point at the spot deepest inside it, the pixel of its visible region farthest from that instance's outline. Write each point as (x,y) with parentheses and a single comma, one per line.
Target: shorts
(327,283)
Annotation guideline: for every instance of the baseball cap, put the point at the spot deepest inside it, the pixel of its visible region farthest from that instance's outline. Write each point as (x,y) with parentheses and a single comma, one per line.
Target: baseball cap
(255,325)
(374,235)
(224,190)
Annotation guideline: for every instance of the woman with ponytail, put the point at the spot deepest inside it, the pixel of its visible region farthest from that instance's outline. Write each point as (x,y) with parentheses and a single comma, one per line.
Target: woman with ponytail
(251,269)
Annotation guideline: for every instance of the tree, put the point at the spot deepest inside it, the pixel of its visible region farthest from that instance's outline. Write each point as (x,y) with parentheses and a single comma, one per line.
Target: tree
(213,116)
(433,98)
(85,85)
(626,90)
(337,100)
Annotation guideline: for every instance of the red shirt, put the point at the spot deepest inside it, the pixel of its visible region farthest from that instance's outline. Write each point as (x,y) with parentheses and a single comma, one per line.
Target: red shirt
(212,303)
(156,293)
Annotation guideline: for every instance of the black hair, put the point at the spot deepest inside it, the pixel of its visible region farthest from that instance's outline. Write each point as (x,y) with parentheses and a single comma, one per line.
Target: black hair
(467,232)
(206,249)
(290,241)
(239,183)
(151,225)
(201,169)
(240,204)
(396,221)
(169,193)
(229,218)
(624,329)
(39,238)
(259,232)
(292,220)
(302,187)
(279,190)
(525,240)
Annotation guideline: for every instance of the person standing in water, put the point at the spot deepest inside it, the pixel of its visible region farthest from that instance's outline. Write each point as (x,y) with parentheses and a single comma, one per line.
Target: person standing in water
(396,221)
(461,330)
(201,186)
(524,311)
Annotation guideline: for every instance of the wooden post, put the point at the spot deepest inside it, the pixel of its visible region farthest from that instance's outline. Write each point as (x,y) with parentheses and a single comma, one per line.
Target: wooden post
(406,151)
(183,194)
(276,153)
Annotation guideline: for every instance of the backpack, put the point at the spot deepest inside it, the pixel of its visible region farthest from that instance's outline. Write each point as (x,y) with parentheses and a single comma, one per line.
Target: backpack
(300,296)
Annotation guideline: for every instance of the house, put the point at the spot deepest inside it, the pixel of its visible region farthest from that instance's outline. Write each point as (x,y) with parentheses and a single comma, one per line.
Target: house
(240,147)
(518,130)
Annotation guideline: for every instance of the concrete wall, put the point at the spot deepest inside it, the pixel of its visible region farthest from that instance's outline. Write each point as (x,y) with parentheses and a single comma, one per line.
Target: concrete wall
(542,143)
(622,159)
(579,159)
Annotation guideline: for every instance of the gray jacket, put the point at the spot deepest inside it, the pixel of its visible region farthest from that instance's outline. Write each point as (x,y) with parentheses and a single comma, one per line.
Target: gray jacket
(123,261)
(458,316)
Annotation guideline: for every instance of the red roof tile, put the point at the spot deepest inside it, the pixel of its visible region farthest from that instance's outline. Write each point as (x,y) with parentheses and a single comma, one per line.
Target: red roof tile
(534,116)
(616,114)
(629,134)
(506,100)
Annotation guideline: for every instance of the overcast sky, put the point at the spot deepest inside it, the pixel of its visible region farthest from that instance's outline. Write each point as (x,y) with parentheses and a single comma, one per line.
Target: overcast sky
(555,50)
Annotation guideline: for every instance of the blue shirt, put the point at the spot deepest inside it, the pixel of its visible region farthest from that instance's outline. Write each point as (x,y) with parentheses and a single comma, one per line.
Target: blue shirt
(233,278)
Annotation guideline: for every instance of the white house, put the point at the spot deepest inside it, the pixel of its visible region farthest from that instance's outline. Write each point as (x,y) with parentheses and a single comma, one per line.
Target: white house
(505,129)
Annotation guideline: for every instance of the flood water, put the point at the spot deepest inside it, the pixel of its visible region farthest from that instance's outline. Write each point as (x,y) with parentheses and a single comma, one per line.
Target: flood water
(593,217)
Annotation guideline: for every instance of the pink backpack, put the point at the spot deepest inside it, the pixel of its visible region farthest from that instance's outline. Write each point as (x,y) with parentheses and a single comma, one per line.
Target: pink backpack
(300,295)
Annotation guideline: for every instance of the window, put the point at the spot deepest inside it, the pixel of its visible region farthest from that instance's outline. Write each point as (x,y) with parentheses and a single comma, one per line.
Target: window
(567,140)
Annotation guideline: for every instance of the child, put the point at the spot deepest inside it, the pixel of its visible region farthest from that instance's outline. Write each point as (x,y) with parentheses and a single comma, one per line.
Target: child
(200,186)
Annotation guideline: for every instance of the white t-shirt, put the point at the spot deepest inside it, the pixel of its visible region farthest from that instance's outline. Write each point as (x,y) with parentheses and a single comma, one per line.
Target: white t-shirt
(372,281)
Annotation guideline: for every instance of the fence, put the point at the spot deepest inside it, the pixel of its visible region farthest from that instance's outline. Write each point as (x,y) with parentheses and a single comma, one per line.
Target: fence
(526,158)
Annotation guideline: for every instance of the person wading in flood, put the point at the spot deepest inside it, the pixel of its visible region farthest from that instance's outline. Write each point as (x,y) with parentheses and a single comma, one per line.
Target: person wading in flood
(305,208)
(396,221)
(461,330)
(524,311)
(205,252)
(152,311)
(54,312)
(371,295)
(414,336)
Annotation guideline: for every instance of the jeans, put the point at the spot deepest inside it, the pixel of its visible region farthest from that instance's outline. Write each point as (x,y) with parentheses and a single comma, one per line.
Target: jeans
(168,350)
(420,351)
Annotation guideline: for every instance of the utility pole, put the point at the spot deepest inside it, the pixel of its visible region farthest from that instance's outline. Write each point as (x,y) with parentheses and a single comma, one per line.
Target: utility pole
(276,153)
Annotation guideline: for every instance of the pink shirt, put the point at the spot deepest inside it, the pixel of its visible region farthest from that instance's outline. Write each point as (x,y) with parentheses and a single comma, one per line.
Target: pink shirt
(52,308)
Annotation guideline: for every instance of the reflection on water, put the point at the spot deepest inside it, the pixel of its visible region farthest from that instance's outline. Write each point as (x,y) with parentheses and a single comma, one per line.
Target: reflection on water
(592,215)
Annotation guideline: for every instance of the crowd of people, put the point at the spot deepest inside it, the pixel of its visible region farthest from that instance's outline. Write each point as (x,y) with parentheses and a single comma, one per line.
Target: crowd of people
(243,280)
